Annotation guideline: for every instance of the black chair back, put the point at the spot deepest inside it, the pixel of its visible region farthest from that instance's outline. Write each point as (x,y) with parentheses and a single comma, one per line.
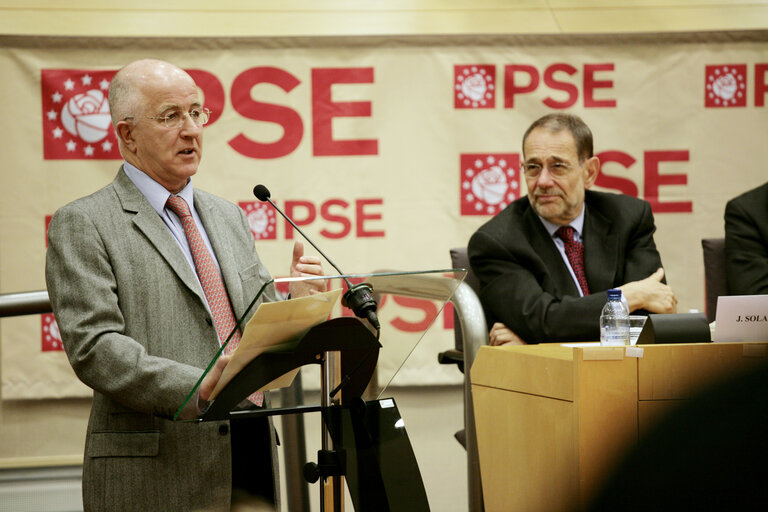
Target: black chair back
(715,279)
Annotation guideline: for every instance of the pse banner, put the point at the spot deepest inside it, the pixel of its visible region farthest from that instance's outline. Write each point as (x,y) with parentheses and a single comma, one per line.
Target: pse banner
(387,152)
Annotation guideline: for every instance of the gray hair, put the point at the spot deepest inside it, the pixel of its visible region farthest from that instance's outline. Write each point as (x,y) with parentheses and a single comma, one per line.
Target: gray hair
(558,122)
(123,97)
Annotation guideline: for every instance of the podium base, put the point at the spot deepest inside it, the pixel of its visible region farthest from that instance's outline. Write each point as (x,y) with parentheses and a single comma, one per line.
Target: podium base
(379,464)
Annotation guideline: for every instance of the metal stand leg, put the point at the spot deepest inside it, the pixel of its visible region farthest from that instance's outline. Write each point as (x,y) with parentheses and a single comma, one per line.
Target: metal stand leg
(294,448)
(332,486)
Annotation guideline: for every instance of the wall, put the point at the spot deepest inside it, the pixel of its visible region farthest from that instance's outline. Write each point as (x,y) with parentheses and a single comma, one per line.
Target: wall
(379,17)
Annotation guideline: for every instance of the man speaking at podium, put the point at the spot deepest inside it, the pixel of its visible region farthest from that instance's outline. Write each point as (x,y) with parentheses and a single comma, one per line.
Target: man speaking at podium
(146,278)
(545,261)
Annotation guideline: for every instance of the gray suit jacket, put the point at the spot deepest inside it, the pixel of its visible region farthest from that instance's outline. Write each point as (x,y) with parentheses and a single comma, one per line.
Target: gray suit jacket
(136,330)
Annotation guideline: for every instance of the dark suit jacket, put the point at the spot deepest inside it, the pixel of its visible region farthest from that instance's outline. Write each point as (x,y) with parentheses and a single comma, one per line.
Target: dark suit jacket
(746,242)
(137,331)
(525,283)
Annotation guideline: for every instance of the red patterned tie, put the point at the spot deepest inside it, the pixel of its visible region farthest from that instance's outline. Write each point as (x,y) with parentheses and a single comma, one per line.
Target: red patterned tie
(575,252)
(210,279)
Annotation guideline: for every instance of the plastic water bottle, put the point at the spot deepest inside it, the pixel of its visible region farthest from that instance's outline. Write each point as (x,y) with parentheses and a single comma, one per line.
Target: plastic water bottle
(614,320)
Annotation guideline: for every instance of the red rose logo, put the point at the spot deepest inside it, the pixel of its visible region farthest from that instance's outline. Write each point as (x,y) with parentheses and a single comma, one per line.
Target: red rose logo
(87,116)
(261,219)
(489,182)
(726,86)
(76,120)
(51,337)
(474,86)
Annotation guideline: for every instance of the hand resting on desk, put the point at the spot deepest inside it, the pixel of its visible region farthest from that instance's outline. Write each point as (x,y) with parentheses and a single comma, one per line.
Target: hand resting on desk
(502,335)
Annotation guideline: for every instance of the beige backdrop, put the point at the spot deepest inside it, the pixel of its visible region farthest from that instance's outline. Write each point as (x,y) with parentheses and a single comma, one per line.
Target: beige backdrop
(439,122)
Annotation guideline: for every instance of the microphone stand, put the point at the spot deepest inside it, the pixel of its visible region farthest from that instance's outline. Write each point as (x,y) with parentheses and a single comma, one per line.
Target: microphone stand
(359,298)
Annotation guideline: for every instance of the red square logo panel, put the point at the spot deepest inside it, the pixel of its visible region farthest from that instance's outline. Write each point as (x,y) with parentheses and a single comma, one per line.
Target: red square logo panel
(726,86)
(474,86)
(261,219)
(50,335)
(489,182)
(76,120)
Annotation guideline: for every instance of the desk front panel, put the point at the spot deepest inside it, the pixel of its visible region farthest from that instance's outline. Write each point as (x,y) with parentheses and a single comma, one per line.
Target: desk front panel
(528,449)
(552,421)
(674,372)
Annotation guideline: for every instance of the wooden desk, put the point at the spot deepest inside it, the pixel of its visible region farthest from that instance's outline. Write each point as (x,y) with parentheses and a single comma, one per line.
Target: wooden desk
(551,420)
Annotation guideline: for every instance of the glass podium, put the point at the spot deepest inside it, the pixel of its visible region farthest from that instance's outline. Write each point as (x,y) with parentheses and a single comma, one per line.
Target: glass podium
(364,441)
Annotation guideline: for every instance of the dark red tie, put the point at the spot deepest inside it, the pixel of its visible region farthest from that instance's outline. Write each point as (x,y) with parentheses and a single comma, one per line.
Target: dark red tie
(575,252)
(210,279)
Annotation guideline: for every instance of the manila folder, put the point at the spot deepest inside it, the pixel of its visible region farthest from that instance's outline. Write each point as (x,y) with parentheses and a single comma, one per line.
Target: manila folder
(275,326)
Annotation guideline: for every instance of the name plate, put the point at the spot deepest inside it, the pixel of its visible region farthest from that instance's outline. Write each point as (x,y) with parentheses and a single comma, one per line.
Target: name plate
(741,318)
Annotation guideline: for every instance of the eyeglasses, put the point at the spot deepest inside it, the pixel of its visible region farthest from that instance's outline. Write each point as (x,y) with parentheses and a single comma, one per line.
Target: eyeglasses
(175,119)
(556,169)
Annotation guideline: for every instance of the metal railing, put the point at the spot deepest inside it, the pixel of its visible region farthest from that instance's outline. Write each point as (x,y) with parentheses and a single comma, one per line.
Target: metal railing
(25,303)
(475,334)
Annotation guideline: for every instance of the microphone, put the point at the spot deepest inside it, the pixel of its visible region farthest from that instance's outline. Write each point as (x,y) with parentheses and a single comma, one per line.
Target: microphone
(359,297)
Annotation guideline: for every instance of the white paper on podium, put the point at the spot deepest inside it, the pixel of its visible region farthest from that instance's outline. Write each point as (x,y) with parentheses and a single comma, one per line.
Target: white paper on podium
(277,325)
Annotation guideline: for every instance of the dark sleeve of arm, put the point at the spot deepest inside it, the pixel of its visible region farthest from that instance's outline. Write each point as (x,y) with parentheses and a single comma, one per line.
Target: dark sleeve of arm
(746,252)
(512,293)
(84,295)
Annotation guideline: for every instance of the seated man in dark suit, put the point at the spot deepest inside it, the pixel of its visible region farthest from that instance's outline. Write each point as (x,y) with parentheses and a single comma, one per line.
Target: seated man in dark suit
(746,242)
(545,262)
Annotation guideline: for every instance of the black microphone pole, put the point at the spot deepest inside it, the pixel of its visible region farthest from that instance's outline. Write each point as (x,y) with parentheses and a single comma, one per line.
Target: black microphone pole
(358,297)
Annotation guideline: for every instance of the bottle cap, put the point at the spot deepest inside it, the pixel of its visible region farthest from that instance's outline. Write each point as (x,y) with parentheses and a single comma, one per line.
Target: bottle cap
(614,294)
